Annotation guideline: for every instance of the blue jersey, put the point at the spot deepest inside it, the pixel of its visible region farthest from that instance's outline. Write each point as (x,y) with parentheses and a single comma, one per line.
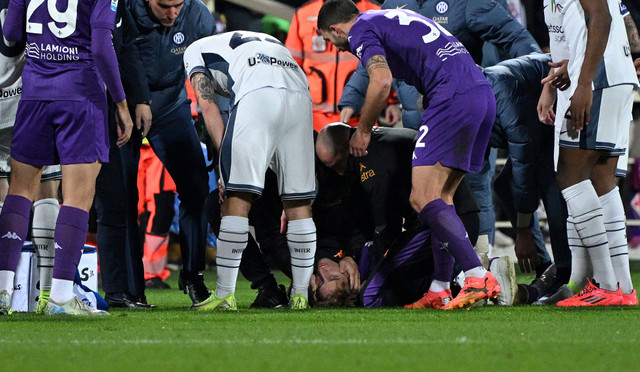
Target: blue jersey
(418,50)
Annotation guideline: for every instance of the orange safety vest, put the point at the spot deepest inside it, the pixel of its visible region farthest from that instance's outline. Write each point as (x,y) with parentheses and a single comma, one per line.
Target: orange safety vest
(327,69)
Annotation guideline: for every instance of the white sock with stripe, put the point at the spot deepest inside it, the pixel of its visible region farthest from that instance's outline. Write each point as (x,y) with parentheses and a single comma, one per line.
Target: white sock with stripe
(45,214)
(580,262)
(614,221)
(584,206)
(301,238)
(232,240)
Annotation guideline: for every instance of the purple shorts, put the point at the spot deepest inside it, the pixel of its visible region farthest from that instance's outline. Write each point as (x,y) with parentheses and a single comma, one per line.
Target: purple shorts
(60,132)
(455,133)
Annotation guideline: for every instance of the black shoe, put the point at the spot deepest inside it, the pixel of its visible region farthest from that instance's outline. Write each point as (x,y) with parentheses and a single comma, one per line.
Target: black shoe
(128,301)
(270,297)
(156,283)
(193,285)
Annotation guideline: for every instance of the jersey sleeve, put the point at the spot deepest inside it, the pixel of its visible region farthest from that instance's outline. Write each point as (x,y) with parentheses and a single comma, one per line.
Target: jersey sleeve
(193,61)
(14,29)
(103,14)
(364,42)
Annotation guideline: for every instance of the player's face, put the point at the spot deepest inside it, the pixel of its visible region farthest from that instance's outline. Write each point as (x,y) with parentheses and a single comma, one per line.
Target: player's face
(166,11)
(337,38)
(328,279)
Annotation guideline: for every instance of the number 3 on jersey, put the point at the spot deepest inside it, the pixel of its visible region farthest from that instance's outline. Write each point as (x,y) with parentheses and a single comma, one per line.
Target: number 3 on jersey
(68,17)
(405,17)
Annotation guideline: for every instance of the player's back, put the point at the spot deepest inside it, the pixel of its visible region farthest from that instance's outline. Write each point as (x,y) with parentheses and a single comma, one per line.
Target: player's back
(243,61)
(59,63)
(417,50)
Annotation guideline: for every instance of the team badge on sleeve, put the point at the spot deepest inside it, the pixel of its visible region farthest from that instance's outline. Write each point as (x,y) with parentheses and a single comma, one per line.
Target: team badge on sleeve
(623,9)
(442,7)
(114,5)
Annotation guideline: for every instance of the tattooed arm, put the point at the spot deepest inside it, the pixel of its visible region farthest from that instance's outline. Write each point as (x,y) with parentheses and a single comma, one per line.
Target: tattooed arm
(206,95)
(375,100)
(632,34)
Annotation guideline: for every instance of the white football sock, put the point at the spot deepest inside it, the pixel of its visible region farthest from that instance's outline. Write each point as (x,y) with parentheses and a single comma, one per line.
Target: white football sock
(584,206)
(580,262)
(301,238)
(476,272)
(6,280)
(61,290)
(614,221)
(439,286)
(232,240)
(45,214)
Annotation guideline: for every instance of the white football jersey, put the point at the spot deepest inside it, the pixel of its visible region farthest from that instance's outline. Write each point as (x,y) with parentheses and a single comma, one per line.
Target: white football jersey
(239,62)
(11,65)
(567,27)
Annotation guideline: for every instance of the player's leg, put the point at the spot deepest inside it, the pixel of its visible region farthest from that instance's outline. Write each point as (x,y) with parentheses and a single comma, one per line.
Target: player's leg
(14,225)
(292,164)
(45,214)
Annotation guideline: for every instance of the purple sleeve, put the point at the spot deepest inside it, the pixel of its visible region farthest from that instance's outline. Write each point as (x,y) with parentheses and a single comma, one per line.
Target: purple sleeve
(364,42)
(105,59)
(103,14)
(14,29)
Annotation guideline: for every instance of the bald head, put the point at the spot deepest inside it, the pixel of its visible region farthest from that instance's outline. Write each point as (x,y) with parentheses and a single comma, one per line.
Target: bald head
(332,146)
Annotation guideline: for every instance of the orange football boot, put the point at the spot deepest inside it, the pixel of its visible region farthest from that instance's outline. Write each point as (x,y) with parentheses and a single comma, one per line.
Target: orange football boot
(432,300)
(592,295)
(475,289)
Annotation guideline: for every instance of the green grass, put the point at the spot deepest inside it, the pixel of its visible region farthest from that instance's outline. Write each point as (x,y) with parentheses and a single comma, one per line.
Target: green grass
(173,338)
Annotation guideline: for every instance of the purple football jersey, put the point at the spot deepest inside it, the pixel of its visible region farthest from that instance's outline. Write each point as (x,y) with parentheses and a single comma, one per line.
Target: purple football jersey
(59,62)
(418,51)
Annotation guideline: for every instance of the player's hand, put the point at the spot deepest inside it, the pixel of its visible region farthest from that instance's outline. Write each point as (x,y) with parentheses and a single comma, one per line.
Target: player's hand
(636,63)
(143,118)
(124,124)
(392,114)
(359,143)
(581,106)
(283,223)
(346,114)
(526,251)
(560,77)
(221,193)
(545,106)
(349,267)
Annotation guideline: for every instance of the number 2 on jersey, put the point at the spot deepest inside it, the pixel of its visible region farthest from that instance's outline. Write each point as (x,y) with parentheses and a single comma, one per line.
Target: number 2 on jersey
(69,17)
(406,17)
(423,132)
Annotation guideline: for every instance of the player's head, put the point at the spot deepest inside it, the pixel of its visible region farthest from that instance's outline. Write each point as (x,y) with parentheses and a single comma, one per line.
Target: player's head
(332,146)
(335,20)
(165,11)
(330,287)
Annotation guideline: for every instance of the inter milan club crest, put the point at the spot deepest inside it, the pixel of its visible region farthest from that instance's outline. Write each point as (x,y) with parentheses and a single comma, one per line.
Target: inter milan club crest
(442,7)
(178,38)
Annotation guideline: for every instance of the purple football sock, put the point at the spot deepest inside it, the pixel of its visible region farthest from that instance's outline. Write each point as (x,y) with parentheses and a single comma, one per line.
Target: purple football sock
(71,233)
(446,225)
(442,261)
(14,225)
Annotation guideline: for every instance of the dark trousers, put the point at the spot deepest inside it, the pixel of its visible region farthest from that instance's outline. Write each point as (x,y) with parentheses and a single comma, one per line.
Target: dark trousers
(174,140)
(119,247)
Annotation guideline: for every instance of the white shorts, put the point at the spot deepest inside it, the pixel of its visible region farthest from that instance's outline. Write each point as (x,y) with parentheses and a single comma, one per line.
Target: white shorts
(272,128)
(608,128)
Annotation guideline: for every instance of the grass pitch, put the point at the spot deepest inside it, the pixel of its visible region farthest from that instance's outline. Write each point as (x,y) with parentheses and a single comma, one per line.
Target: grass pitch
(173,338)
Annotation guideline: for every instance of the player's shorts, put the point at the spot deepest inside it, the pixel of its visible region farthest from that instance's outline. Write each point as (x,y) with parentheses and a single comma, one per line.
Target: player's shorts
(49,173)
(60,132)
(270,128)
(455,132)
(608,128)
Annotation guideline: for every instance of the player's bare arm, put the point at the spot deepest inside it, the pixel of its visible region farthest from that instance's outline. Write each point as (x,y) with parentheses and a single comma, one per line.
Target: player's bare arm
(206,95)
(380,80)
(632,34)
(597,35)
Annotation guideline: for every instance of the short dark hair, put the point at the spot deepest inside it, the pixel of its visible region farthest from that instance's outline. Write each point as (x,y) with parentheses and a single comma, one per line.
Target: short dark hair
(345,297)
(336,11)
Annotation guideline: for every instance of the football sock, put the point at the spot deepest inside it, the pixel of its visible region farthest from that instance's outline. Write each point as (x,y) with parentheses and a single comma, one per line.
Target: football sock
(580,262)
(584,206)
(232,240)
(476,272)
(439,286)
(442,264)
(614,221)
(45,214)
(14,225)
(301,238)
(449,230)
(70,235)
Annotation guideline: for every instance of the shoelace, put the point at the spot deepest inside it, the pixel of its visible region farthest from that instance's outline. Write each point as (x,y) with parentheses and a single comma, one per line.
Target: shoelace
(590,287)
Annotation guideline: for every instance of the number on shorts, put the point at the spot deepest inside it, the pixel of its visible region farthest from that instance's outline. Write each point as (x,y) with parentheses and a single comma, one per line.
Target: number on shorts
(423,132)
(68,17)
(405,18)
